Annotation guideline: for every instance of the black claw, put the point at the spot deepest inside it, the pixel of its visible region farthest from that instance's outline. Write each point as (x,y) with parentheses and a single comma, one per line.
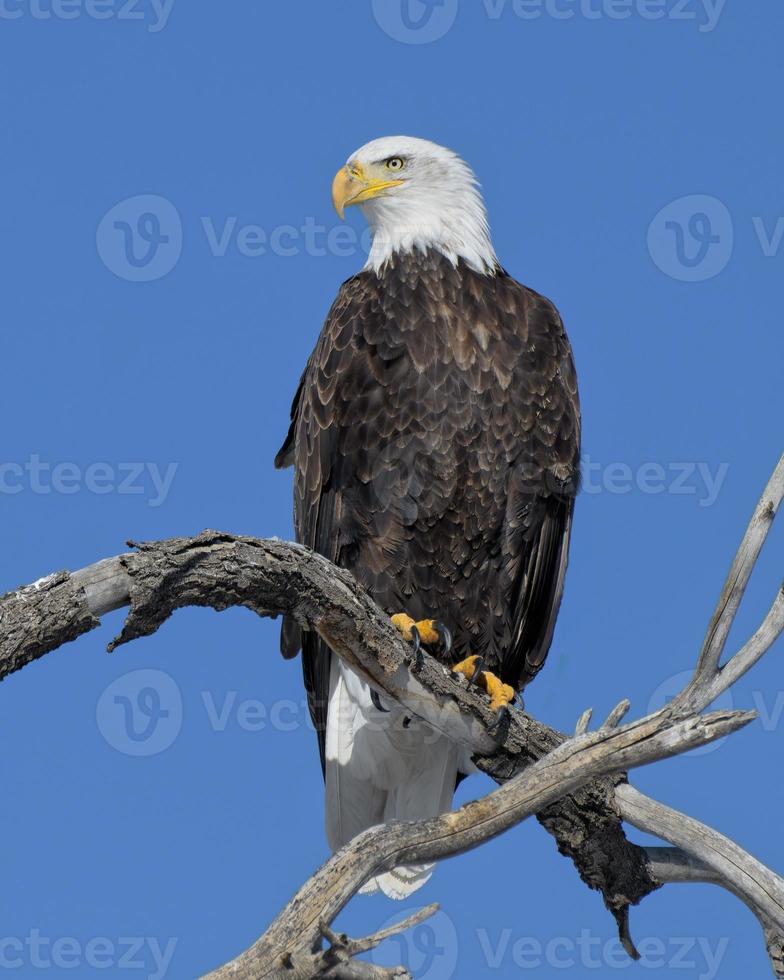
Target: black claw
(416,640)
(377,701)
(416,659)
(445,636)
(501,716)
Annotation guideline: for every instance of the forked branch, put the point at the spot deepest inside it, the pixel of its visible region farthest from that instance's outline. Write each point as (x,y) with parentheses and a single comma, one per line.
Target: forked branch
(710,678)
(577,790)
(301,923)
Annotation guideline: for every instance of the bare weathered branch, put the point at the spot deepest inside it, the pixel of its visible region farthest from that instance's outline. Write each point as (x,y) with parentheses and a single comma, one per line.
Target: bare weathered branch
(360,970)
(583,722)
(272,577)
(356,946)
(338,959)
(286,949)
(577,788)
(617,714)
(749,654)
(759,887)
(709,678)
(674,865)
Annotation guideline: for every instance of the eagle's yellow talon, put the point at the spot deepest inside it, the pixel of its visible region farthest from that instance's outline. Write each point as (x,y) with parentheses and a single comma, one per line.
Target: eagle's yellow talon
(500,694)
(403,624)
(466,667)
(426,628)
(427,631)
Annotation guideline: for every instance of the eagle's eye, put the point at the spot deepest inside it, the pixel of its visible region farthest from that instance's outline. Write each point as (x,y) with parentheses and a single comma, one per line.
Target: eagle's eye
(395,163)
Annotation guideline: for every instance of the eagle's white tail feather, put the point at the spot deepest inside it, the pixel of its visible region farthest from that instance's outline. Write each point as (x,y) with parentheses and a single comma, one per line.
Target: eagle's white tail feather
(400,882)
(352,801)
(378,769)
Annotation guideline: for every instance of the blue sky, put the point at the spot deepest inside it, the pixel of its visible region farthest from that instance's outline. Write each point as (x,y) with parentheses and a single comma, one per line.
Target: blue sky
(169,252)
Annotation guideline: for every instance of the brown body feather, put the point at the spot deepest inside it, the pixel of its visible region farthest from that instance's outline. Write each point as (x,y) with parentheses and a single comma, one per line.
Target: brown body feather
(435,436)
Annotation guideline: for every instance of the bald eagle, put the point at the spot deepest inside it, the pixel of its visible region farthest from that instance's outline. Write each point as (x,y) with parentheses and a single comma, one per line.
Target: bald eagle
(435,437)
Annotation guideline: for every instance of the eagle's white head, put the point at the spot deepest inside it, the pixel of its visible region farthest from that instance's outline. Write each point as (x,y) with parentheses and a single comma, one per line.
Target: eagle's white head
(416,195)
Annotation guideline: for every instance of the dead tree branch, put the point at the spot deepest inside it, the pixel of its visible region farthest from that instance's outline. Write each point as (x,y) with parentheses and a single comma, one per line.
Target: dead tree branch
(582,808)
(673,865)
(710,679)
(298,928)
(272,577)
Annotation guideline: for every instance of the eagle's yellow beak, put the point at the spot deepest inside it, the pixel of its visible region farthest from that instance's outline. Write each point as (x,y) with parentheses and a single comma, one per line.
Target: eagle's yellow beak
(353,185)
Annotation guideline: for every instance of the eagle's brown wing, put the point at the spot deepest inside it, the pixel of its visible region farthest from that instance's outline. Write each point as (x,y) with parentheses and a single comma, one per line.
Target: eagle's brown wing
(323,470)
(543,483)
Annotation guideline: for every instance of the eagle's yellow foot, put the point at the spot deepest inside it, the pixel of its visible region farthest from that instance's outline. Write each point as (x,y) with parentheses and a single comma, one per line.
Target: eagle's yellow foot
(470,668)
(427,631)
(501,695)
